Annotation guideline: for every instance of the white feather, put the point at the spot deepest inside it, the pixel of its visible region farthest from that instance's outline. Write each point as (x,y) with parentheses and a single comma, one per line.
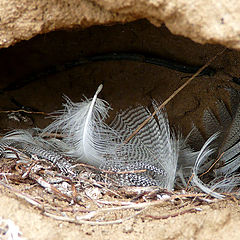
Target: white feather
(231,160)
(89,138)
(203,156)
(226,184)
(21,135)
(186,160)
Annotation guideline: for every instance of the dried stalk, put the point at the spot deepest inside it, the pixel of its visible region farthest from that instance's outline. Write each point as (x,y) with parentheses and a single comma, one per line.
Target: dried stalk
(173,95)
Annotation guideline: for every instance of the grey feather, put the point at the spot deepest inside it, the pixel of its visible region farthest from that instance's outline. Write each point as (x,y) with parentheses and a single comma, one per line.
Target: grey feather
(233,132)
(225,116)
(23,140)
(227,123)
(234,100)
(210,123)
(195,139)
(154,147)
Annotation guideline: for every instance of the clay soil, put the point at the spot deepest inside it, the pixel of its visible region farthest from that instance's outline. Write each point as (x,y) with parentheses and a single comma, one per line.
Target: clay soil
(125,83)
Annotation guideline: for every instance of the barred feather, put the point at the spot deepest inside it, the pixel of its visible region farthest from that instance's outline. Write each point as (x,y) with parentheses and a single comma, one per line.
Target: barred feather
(154,147)
(227,143)
(24,141)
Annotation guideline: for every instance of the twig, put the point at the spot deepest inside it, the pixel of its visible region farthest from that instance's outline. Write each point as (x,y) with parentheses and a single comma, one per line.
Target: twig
(189,180)
(25,111)
(93,223)
(50,188)
(173,95)
(191,210)
(116,203)
(212,165)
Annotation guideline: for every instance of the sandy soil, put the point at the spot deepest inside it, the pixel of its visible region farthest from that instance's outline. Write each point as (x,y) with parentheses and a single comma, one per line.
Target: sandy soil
(217,220)
(125,83)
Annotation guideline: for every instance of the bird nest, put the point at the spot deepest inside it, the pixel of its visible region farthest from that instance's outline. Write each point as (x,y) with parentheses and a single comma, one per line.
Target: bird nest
(85,200)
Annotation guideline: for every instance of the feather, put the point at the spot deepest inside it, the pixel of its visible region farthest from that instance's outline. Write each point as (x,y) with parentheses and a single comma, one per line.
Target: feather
(229,138)
(225,116)
(186,159)
(15,139)
(234,99)
(202,157)
(210,122)
(24,141)
(226,184)
(228,145)
(227,122)
(231,160)
(89,138)
(232,134)
(195,139)
(154,148)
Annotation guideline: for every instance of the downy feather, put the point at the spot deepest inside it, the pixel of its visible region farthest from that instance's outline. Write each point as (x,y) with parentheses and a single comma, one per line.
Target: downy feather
(88,137)
(186,159)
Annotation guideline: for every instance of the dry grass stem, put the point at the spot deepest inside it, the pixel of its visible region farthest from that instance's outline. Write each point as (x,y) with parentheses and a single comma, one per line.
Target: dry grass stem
(174,94)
